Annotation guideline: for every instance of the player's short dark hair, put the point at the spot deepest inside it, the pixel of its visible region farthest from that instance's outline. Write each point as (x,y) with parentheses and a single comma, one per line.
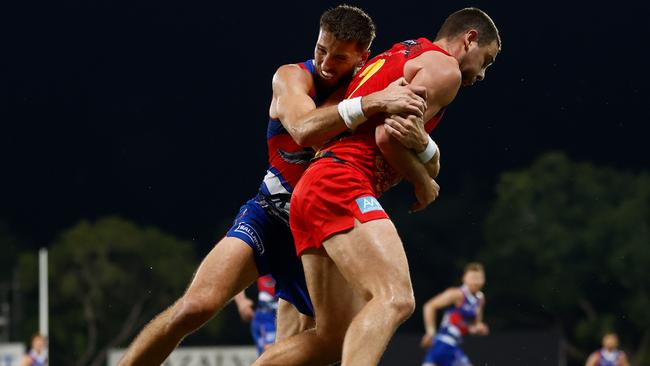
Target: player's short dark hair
(470,18)
(349,23)
(474,267)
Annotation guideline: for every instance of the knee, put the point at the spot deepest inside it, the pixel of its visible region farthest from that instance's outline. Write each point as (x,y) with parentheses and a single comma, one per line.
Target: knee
(330,334)
(401,305)
(190,313)
(331,341)
(305,322)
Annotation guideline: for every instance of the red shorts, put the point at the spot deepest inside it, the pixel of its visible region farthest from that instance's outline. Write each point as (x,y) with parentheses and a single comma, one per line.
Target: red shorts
(327,199)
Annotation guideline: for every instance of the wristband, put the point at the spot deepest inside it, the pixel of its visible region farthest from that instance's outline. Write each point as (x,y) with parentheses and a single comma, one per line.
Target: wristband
(351,112)
(428,152)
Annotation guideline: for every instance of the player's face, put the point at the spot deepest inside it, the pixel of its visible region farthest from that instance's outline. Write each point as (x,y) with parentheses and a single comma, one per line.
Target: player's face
(38,344)
(610,342)
(336,60)
(474,280)
(476,61)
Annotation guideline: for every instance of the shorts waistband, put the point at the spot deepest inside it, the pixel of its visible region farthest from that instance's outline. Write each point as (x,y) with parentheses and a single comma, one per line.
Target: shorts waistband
(327,154)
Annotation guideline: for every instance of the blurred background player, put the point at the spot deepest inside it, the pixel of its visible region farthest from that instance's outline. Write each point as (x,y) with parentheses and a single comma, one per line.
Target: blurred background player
(37,356)
(609,355)
(263,316)
(464,316)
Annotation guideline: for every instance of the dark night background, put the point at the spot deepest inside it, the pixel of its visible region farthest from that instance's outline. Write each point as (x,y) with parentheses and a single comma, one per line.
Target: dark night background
(156,111)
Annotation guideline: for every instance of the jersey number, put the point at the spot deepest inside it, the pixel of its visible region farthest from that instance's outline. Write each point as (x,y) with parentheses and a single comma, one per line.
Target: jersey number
(368,72)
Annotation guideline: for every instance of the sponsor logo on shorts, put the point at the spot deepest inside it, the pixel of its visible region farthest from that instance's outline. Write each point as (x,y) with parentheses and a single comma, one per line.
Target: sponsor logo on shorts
(244,228)
(368,204)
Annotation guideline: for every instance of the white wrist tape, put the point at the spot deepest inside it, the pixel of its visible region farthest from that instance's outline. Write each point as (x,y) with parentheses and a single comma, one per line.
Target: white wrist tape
(351,112)
(428,152)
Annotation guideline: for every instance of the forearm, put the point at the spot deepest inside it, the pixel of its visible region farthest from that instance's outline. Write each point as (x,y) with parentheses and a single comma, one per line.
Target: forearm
(322,124)
(402,159)
(317,127)
(240,298)
(411,134)
(624,361)
(429,316)
(479,315)
(432,165)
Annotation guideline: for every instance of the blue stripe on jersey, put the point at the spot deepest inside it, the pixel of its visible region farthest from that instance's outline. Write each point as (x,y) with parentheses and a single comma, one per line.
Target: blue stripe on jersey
(311,67)
(309,64)
(275,128)
(283,181)
(264,190)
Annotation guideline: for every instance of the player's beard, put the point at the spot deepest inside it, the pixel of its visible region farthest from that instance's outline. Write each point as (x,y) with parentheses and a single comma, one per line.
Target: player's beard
(323,86)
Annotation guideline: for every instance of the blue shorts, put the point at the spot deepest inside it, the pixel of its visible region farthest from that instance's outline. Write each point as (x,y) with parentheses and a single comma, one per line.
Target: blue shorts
(275,253)
(443,354)
(263,329)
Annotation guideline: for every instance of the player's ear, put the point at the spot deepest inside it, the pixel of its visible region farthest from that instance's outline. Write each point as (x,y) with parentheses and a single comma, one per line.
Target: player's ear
(364,57)
(471,36)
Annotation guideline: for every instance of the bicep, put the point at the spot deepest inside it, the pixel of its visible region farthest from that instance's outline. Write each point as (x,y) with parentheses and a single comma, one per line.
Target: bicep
(291,99)
(591,360)
(439,77)
(382,137)
(433,165)
(291,106)
(624,360)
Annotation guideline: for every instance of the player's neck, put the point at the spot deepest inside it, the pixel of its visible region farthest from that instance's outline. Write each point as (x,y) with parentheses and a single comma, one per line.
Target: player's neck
(453,47)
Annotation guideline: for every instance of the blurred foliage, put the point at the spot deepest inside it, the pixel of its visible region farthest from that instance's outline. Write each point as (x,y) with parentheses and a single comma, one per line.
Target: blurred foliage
(568,246)
(107,279)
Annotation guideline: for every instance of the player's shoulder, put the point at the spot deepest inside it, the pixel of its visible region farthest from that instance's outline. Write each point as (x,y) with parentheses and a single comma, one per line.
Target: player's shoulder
(456,295)
(595,354)
(441,63)
(291,70)
(441,70)
(291,74)
(447,70)
(456,292)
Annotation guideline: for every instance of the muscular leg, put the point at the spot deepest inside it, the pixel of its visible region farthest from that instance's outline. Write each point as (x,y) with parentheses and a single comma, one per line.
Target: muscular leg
(290,321)
(335,304)
(224,272)
(372,259)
